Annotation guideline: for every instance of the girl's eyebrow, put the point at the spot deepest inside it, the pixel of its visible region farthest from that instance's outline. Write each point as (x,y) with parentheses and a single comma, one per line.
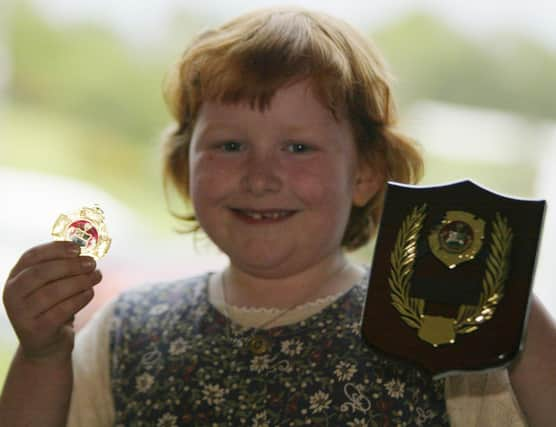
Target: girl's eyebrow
(307,128)
(216,125)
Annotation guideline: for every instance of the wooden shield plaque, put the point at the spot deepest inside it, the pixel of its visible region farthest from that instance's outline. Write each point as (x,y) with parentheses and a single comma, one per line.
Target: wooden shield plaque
(451,277)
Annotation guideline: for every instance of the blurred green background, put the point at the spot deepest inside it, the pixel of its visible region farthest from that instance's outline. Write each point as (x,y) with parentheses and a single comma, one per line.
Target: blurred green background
(81,102)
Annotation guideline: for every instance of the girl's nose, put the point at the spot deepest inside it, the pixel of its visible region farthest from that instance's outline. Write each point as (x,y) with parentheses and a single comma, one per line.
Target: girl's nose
(260,175)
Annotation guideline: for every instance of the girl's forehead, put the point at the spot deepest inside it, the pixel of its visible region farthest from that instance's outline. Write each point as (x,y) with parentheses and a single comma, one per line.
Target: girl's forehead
(218,116)
(296,102)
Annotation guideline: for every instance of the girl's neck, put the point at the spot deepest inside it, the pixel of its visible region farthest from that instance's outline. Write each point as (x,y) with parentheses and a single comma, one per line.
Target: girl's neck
(330,276)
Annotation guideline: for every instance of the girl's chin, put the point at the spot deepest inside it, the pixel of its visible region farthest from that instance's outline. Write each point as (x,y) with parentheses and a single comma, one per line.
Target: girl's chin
(272,267)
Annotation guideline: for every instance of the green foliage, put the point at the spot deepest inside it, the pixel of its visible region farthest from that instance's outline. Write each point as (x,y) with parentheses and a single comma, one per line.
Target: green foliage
(432,61)
(88,74)
(97,155)
(514,179)
(79,92)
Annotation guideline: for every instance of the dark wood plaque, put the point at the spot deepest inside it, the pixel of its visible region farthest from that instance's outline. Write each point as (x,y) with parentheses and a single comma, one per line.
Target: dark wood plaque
(451,277)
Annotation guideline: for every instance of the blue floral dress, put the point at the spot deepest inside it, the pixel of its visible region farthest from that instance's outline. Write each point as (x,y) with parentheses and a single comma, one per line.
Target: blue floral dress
(177,361)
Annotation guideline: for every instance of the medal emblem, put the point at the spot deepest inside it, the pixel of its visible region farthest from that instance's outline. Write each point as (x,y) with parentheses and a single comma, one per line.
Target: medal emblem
(85,227)
(457,238)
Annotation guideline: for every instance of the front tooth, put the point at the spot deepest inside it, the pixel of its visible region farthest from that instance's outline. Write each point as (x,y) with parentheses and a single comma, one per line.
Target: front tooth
(273,215)
(267,215)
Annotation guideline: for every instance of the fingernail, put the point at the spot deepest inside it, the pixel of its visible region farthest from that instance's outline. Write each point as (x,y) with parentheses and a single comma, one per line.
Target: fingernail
(87,263)
(74,250)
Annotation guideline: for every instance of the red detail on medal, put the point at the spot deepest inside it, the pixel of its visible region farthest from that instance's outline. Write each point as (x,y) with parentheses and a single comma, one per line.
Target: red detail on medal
(83,233)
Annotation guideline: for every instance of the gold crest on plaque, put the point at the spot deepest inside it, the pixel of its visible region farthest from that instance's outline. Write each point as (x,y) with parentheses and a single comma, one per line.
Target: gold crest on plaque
(457,239)
(85,227)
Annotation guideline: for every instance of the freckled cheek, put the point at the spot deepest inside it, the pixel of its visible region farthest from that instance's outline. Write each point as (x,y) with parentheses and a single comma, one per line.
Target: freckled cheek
(319,187)
(207,180)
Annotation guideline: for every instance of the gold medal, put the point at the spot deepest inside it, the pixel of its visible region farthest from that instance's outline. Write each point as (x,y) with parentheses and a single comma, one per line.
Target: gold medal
(85,227)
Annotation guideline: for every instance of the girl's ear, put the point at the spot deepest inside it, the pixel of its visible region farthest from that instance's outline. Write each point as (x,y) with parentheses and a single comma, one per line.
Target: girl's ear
(368,181)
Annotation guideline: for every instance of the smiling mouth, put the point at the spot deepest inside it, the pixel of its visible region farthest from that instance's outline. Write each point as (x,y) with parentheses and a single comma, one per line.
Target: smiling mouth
(263,216)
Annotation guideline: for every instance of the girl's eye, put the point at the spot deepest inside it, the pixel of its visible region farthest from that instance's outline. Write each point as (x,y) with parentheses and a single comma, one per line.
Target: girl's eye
(298,147)
(230,146)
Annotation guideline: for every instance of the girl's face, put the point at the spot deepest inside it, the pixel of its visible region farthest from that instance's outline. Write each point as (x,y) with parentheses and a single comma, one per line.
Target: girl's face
(274,189)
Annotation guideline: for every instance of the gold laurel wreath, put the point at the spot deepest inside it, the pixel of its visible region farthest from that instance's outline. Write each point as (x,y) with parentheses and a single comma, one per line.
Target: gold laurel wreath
(402,260)
(469,316)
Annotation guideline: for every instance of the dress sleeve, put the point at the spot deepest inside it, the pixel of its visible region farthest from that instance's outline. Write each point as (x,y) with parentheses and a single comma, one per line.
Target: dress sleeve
(485,399)
(91,400)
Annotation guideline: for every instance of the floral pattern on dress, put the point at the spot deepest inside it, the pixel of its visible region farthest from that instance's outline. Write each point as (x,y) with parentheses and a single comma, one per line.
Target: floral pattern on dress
(177,361)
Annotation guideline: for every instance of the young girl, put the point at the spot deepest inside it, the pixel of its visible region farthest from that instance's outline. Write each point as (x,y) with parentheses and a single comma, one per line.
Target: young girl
(284,141)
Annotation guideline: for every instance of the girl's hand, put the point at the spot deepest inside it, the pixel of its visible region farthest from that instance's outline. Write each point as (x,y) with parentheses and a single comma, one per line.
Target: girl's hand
(533,375)
(46,288)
